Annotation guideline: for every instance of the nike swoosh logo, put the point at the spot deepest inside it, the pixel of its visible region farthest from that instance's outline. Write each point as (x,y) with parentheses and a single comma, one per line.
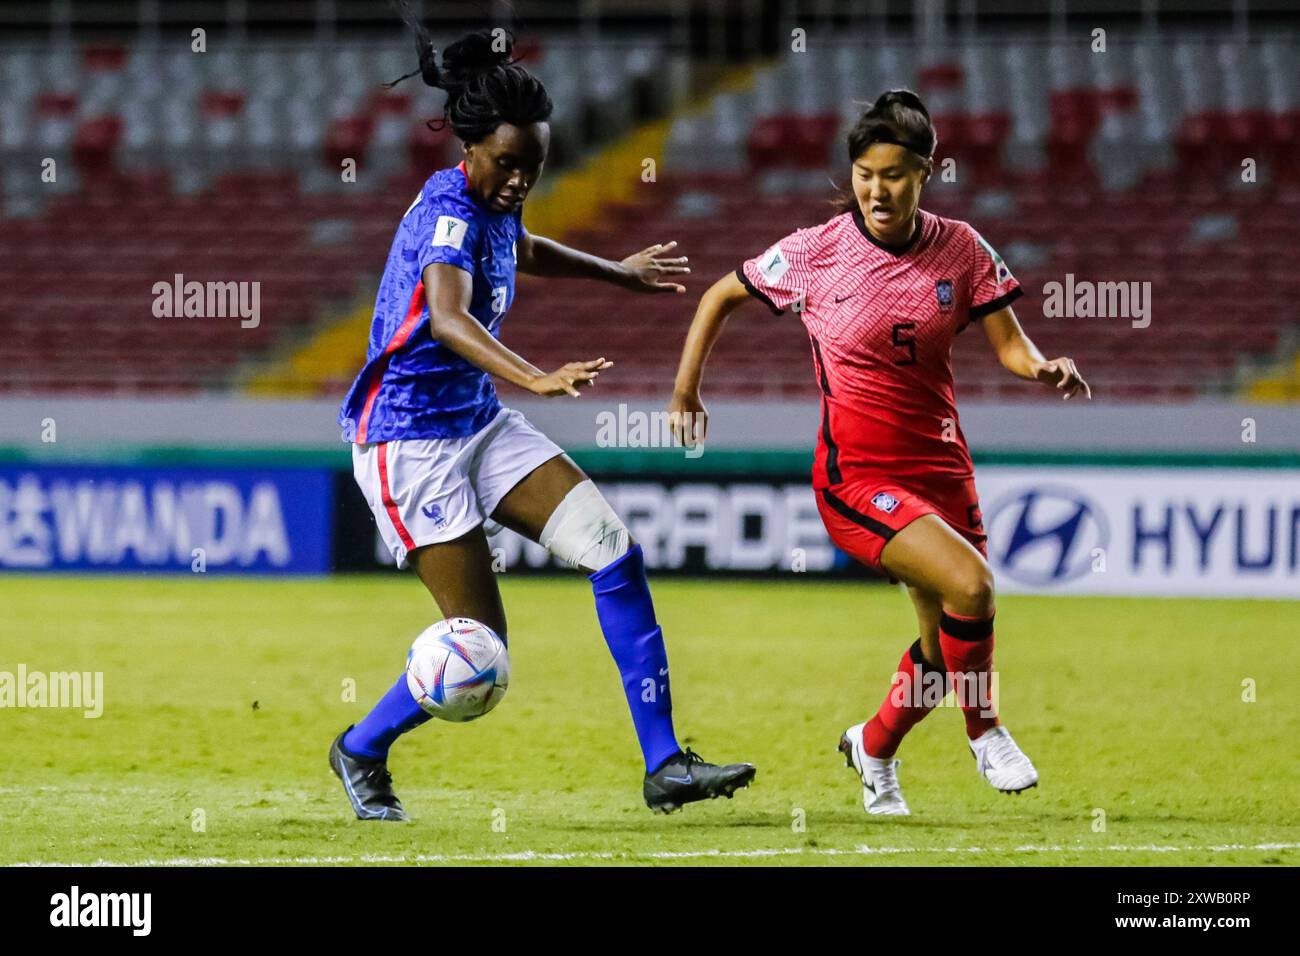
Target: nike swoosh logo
(678,779)
(839,299)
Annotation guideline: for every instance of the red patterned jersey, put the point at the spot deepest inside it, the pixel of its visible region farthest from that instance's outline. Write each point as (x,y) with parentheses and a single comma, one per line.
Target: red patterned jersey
(882,320)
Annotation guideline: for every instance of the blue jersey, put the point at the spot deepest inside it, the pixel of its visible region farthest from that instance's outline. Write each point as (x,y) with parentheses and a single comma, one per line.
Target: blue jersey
(412,386)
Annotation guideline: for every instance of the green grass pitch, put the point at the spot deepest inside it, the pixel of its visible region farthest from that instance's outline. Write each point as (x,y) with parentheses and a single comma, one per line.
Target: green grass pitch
(1129,707)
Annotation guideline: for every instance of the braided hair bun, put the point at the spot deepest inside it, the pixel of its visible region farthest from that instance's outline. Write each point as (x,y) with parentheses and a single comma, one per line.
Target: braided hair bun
(484,86)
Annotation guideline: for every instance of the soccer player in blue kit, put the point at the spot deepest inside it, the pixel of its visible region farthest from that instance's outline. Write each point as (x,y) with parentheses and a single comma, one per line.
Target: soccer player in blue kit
(436,454)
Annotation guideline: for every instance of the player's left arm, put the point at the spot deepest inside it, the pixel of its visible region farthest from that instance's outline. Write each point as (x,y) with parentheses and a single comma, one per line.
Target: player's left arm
(1020,356)
(642,271)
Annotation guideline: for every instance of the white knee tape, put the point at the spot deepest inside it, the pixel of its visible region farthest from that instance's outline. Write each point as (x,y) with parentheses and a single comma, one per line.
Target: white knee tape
(584,531)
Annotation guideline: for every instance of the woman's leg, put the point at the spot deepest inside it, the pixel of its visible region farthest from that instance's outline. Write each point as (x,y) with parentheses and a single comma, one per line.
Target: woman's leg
(862,517)
(917,687)
(889,527)
(928,607)
(527,484)
(527,506)
(930,556)
(459,576)
(559,507)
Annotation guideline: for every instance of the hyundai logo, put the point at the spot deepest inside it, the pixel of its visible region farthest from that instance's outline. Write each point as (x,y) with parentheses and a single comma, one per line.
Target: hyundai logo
(1045,534)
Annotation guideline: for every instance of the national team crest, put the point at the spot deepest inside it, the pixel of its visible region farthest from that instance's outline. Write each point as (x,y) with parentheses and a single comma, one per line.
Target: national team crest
(943,292)
(434,513)
(885,502)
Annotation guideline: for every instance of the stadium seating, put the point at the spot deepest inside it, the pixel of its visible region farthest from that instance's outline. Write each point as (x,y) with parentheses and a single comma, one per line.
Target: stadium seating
(1126,167)
(221,166)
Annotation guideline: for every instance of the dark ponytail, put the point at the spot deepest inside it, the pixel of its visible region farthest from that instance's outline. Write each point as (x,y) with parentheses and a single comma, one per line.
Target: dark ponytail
(484,86)
(898,117)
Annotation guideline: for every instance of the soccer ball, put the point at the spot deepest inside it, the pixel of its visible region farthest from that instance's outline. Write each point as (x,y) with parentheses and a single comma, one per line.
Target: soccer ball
(458,669)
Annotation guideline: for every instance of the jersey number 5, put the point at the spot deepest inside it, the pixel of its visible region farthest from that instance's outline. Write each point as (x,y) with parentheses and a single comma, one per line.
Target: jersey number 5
(903,339)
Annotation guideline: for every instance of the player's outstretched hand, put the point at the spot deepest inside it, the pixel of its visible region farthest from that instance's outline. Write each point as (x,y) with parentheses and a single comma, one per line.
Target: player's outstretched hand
(1062,373)
(688,418)
(568,379)
(644,271)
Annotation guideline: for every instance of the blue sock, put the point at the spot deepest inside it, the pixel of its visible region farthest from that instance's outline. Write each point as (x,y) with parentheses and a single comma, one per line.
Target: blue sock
(627,617)
(395,714)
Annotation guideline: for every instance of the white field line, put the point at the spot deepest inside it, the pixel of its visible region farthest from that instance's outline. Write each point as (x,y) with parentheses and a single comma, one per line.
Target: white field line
(529,856)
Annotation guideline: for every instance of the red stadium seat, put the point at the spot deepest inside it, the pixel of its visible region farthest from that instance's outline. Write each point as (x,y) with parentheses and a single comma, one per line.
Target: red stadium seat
(348,138)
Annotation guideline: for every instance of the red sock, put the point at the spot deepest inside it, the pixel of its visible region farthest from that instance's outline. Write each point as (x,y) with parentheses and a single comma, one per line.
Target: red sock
(967,645)
(917,688)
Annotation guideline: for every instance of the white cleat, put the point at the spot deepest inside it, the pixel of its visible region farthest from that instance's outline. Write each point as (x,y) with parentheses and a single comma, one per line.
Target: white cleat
(881,794)
(1001,762)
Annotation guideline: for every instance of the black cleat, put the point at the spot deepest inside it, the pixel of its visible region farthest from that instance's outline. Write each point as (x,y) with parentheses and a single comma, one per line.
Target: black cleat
(687,777)
(367,782)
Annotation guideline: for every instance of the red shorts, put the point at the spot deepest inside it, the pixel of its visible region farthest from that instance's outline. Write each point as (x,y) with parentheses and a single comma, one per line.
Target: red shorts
(863,513)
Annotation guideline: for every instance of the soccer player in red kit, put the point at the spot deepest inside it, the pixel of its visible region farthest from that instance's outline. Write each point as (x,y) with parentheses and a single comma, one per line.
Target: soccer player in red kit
(882,289)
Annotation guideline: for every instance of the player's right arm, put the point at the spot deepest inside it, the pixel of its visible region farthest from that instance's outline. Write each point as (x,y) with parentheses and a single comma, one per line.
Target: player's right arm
(777,278)
(448,290)
(685,407)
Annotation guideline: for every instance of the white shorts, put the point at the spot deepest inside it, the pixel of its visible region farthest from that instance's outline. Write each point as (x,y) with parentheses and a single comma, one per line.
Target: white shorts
(425,491)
